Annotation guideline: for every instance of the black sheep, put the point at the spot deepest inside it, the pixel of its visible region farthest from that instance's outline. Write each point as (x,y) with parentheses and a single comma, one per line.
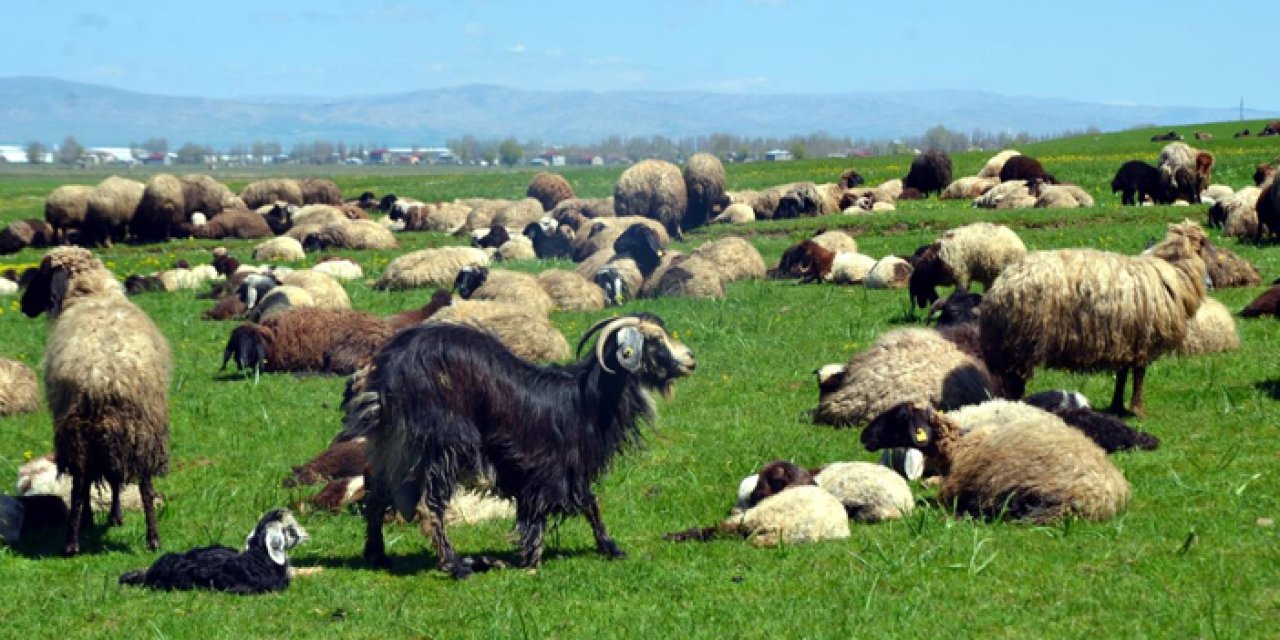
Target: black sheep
(958,308)
(1166,137)
(548,244)
(1142,179)
(930,173)
(497,236)
(445,401)
(263,565)
(1025,168)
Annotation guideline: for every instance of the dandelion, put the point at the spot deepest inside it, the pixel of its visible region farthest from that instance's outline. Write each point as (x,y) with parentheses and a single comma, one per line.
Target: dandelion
(27,455)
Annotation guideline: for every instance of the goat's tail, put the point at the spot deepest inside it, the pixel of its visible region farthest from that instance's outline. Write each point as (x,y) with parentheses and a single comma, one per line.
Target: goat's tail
(393,469)
(364,414)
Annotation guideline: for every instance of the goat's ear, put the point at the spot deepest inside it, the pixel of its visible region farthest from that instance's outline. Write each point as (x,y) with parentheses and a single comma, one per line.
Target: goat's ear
(276,544)
(630,343)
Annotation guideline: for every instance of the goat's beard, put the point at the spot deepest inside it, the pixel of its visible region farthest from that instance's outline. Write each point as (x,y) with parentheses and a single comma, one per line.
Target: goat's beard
(669,390)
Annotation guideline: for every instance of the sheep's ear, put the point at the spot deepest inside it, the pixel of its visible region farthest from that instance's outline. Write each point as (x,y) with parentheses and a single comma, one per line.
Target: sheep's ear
(58,284)
(630,343)
(276,544)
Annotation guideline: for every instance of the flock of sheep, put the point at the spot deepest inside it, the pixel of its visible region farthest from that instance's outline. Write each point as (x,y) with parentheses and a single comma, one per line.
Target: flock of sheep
(453,415)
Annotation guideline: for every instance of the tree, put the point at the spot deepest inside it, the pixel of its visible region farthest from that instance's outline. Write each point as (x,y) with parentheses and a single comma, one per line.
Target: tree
(156,145)
(70,151)
(192,153)
(798,150)
(510,152)
(35,152)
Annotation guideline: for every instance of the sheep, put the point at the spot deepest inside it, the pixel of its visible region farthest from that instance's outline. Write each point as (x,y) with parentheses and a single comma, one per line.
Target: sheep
(930,173)
(447,217)
(1061,196)
(636,255)
(869,492)
(1222,266)
(65,208)
(40,477)
(808,261)
(339,268)
(1085,310)
(1165,137)
(1136,177)
(806,199)
(705,185)
(280,249)
(491,238)
(968,187)
(278,299)
(976,252)
(518,214)
(1216,193)
(525,332)
(736,213)
(444,401)
(404,319)
(1185,170)
(691,277)
(499,285)
(583,208)
(1211,330)
(1239,213)
(1022,167)
(272,190)
(734,258)
(1268,211)
(571,291)
(993,166)
(201,193)
(603,234)
(311,218)
(182,279)
(429,267)
(351,234)
(262,566)
(1266,304)
(1261,174)
(1013,194)
(20,234)
(517,248)
(482,214)
(1203,135)
(106,371)
(325,291)
(889,272)
(320,191)
(307,339)
(234,223)
(19,391)
(850,267)
(161,210)
(902,365)
(548,244)
(110,209)
(1024,465)
(653,189)
(549,190)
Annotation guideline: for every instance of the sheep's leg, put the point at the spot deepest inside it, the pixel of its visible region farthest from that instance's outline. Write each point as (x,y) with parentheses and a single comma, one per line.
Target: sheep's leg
(1117,397)
(375,510)
(604,544)
(79,503)
(148,494)
(117,516)
(531,526)
(1135,405)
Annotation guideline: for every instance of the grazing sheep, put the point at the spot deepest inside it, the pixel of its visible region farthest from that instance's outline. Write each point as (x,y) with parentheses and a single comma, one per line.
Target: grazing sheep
(307,339)
(106,371)
(19,391)
(280,249)
(262,566)
(1211,330)
(320,191)
(890,272)
(446,401)
(1086,310)
(993,166)
(351,234)
(203,194)
(976,252)
(65,208)
(930,173)
(571,291)
(734,258)
(1137,178)
(110,209)
(1026,168)
(271,191)
(549,190)
(429,267)
(968,188)
(234,223)
(20,234)
(1025,465)
(869,492)
(1268,211)
(704,184)
(161,210)
(525,332)
(653,189)
(499,285)
(901,366)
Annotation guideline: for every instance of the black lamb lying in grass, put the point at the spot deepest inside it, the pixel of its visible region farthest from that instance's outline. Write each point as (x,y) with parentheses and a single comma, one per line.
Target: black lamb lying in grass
(262,566)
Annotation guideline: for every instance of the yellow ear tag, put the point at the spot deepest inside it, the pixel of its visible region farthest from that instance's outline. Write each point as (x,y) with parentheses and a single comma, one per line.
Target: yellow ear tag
(626,353)
(921,436)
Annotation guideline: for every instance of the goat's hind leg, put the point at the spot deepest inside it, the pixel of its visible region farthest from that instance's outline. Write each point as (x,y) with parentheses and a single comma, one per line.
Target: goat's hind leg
(375,511)
(437,500)
(532,525)
(604,544)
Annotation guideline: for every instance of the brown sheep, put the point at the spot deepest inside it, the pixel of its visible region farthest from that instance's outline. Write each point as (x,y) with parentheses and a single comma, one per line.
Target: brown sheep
(161,211)
(271,191)
(549,189)
(31,232)
(405,319)
(320,191)
(203,194)
(308,339)
(234,223)
(653,189)
(704,184)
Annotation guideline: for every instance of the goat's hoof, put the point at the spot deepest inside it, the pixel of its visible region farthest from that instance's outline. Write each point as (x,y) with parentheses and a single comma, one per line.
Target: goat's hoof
(71,549)
(153,544)
(610,549)
(459,571)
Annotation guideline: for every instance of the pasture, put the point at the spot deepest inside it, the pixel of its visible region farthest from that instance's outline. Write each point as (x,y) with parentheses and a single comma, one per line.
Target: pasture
(1195,554)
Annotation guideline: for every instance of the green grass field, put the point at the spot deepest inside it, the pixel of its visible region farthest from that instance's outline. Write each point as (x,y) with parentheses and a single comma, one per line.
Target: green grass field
(1194,556)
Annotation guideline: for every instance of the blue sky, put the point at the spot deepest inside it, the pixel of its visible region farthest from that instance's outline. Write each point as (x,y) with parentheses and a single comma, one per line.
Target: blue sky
(1174,52)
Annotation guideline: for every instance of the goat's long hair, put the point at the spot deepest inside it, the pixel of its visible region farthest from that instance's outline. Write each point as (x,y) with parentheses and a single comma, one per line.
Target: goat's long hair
(444,402)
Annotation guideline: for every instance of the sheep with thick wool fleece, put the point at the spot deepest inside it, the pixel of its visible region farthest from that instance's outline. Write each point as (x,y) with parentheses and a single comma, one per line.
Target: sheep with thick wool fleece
(429,267)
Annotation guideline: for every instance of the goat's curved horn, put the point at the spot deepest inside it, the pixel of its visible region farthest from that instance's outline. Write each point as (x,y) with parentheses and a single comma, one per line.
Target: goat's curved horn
(934,309)
(608,330)
(590,332)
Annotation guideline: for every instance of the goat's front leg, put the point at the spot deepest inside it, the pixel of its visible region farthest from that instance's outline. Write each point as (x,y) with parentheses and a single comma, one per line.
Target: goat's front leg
(604,544)
(531,524)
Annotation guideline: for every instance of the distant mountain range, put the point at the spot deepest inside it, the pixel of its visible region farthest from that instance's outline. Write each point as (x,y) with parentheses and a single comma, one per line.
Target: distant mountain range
(47,109)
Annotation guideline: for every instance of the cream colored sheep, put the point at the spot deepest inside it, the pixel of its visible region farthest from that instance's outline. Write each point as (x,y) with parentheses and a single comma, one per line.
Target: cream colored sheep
(340,269)
(736,213)
(279,249)
(850,267)
(890,272)
(19,390)
(799,514)
(1241,213)
(571,291)
(734,258)
(993,166)
(969,187)
(429,267)
(527,333)
(869,492)
(835,241)
(1211,330)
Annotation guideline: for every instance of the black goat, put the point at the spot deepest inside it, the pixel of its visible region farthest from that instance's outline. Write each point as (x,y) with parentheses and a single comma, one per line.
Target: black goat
(446,401)
(262,566)
(1136,177)
(548,244)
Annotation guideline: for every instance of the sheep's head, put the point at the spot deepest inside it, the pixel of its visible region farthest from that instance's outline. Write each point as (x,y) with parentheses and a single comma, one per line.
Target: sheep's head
(904,425)
(830,378)
(639,345)
(387,203)
(928,271)
(313,242)
(279,218)
(850,179)
(640,243)
(492,237)
(276,533)
(808,261)
(958,308)
(778,476)
(49,288)
(255,286)
(367,200)
(469,279)
(615,289)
